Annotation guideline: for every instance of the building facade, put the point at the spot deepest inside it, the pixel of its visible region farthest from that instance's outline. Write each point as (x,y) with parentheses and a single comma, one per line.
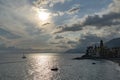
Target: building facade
(103,51)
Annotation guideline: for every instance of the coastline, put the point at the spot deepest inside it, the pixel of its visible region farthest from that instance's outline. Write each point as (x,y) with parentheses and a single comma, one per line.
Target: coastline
(115,60)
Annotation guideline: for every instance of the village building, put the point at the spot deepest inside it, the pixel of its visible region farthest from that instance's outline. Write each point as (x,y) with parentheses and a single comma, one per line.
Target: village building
(103,51)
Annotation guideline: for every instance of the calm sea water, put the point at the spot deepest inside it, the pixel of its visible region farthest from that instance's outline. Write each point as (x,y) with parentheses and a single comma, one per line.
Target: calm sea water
(38,67)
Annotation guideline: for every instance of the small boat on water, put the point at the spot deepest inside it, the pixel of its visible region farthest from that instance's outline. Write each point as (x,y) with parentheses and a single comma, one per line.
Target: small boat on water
(93,63)
(24,56)
(54,69)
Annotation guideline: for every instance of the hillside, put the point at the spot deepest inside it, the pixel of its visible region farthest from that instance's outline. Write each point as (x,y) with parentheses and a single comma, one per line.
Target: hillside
(113,43)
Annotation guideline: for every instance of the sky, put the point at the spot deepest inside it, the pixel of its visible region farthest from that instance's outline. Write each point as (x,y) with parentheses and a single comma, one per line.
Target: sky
(58,25)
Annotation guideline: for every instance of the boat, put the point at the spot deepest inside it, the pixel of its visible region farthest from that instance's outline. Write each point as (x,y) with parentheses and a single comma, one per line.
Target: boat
(24,56)
(54,69)
(93,63)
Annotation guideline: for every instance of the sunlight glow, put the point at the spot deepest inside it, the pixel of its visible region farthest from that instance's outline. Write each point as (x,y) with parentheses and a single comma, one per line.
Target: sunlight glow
(43,15)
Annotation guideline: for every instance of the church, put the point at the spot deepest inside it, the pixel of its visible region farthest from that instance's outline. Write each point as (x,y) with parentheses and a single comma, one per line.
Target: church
(103,51)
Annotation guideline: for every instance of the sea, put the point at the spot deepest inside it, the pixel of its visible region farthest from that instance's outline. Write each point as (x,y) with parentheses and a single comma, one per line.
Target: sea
(37,66)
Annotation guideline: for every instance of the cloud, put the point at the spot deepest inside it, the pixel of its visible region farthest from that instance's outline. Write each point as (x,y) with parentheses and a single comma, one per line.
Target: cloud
(70,11)
(59,37)
(114,7)
(7,34)
(50,3)
(99,20)
(71,42)
(63,42)
(65,28)
(85,42)
(62,46)
(111,19)
(74,9)
(21,26)
(92,28)
(45,24)
(103,20)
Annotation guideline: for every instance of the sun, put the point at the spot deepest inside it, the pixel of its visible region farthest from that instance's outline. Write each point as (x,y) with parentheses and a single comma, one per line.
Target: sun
(43,16)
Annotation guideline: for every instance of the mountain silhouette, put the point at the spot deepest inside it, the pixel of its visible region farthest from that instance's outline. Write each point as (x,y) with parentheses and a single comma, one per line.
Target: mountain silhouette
(113,43)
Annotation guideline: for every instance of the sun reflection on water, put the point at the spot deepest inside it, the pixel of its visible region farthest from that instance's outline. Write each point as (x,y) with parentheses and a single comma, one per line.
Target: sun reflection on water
(39,66)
